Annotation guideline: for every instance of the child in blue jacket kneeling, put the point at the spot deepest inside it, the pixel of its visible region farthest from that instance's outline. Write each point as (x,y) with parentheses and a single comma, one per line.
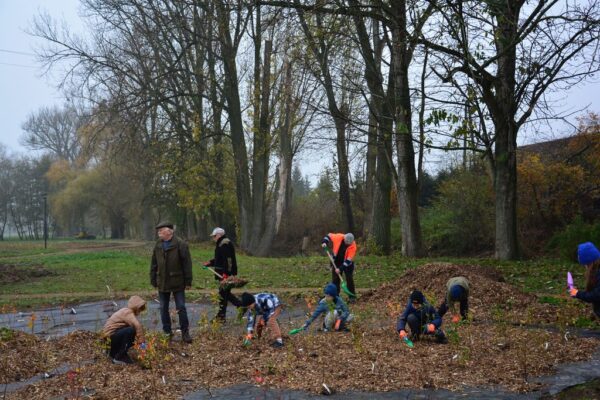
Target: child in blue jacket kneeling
(337,314)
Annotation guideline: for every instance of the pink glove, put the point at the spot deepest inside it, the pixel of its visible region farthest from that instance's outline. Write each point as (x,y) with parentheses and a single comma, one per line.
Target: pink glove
(455,318)
(206,263)
(573,292)
(403,334)
(430,328)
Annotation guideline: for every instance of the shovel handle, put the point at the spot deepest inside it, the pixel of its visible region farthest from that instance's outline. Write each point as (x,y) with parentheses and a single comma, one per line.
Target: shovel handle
(213,271)
(333,265)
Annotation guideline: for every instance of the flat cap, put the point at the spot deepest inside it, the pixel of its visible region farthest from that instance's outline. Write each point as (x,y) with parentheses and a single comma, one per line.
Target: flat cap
(164,224)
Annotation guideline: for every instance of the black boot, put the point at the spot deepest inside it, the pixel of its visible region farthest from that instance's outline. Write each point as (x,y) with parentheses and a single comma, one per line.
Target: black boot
(185,336)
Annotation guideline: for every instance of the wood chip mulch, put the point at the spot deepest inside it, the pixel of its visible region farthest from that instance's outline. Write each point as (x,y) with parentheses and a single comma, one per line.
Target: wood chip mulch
(492,350)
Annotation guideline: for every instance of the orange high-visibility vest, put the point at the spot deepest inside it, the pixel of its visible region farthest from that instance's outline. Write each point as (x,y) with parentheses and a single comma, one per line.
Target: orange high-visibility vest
(337,239)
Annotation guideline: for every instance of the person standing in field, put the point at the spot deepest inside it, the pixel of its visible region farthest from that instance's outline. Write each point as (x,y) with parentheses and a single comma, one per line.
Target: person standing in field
(225,264)
(171,273)
(344,249)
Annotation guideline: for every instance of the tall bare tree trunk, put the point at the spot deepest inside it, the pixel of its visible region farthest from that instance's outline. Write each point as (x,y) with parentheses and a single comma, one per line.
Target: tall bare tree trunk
(232,96)
(406,180)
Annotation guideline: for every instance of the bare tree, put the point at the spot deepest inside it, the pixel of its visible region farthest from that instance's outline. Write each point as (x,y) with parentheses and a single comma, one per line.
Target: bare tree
(536,48)
(53,129)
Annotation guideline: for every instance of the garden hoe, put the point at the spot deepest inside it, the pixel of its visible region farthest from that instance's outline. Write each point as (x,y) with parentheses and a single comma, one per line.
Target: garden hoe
(344,286)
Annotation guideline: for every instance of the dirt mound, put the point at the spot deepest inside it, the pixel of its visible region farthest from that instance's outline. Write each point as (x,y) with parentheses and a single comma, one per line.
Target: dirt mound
(487,288)
(17,273)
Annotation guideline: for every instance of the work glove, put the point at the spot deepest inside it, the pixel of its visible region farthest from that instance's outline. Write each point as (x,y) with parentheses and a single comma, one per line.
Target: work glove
(324,245)
(206,263)
(403,334)
(430,328)
(573,292)
(455,318)
(248,339)
(225,276)
(338,323)
(346,264)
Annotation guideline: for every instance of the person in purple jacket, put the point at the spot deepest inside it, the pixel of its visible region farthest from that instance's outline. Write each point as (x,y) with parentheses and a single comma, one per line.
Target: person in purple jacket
(422,319)
(589,256)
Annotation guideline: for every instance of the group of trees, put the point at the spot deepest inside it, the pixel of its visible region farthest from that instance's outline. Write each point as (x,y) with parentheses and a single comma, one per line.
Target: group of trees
(199,110)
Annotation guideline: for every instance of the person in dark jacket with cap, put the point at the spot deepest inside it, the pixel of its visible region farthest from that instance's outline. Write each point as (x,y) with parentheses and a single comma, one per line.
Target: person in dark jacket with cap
(589,256)
(225,265)
(171,272)
(457,291)
(422,319)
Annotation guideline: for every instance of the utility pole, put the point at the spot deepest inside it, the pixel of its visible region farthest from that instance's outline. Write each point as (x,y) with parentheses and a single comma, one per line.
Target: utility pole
(45,196)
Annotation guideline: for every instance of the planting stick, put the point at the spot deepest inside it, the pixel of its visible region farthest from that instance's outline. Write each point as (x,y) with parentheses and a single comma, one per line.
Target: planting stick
(344,286)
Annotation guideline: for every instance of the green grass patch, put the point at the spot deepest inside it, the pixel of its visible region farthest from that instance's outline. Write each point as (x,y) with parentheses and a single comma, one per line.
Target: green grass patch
(78,267)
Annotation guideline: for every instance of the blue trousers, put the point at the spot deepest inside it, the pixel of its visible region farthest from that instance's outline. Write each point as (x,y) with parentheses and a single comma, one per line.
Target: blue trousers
(164,298)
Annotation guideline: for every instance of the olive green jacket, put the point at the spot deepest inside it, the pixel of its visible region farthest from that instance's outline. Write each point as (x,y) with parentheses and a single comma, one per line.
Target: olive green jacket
(171,269)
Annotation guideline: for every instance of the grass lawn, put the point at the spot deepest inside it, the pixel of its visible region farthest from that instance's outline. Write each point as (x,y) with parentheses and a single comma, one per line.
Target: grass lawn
(76,267)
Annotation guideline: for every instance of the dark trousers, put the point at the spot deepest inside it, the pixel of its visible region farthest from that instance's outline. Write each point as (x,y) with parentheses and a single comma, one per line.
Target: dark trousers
(464,307)
(225,296)
(121,341)
(348,274)
(164,298)
(417,327)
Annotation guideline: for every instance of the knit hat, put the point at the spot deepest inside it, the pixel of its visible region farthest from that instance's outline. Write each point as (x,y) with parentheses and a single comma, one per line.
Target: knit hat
(164,224)
(247,299)
(348,238)
(417,297)
(456,292)
(587,253)
(331,290)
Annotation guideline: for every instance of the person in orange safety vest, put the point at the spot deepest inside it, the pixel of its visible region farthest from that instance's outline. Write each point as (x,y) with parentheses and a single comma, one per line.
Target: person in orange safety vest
(344,250)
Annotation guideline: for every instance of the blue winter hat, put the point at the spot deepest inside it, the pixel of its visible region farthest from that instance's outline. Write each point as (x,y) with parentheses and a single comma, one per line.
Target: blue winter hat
(587,253)
(456,292)
(331,290)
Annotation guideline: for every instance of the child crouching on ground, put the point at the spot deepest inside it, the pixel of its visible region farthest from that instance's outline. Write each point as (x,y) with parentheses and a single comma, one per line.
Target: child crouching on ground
(422,319)
(122,328)
(337,313)
(263,309)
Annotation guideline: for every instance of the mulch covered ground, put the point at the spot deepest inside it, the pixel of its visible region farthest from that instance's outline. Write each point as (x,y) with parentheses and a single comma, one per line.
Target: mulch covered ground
(491,350)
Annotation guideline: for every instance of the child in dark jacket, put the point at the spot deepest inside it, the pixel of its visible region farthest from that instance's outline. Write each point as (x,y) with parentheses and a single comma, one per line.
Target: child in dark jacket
(422,319)
(589,256)
(337,312)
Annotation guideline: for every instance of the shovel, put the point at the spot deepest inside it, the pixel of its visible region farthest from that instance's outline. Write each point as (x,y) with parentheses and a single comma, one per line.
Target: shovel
(213,271)
(344,286)
(408,342)
(295,331)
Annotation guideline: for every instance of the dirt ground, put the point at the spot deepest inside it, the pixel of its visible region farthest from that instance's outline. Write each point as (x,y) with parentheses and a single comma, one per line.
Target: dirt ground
(12,273)
(498,347)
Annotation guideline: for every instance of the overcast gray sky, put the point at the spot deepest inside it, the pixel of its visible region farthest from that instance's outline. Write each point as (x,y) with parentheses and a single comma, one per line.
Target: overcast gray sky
(23,90)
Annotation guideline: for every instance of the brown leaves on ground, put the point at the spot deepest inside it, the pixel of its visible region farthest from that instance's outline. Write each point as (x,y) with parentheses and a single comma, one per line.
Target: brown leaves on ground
(489,351)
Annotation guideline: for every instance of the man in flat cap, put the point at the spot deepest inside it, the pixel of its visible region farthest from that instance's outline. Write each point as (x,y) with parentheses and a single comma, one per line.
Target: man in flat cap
(171,272)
